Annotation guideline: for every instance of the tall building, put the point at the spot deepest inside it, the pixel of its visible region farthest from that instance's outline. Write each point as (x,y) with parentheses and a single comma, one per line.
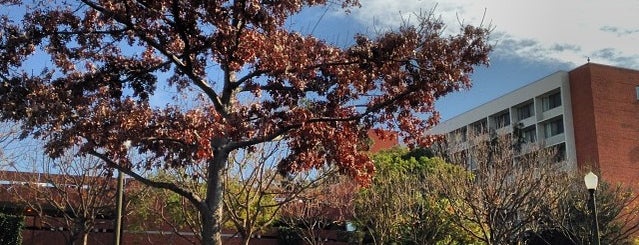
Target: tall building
(591,114)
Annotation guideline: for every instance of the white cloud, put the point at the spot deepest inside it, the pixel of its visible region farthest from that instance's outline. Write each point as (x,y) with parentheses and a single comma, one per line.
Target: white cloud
(541,31)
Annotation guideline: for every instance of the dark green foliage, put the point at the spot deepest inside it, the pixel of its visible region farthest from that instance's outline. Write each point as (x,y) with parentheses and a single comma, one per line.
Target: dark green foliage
(11,229)
(418,153)
(570,220)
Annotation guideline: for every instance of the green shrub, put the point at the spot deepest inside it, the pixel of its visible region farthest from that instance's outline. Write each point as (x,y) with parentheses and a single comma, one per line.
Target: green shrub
(11,229)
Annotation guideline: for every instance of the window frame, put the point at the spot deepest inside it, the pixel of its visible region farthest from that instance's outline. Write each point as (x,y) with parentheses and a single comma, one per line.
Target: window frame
(551,101)
(532,132)
(529,108)
(550,130)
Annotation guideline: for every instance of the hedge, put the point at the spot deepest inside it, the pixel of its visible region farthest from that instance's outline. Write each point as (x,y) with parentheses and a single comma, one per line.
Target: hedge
(11,229)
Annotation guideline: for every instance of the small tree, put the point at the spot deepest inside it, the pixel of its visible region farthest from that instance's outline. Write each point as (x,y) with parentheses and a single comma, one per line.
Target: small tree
(316,210)
(68,192)
(508,191)
(256,192)
(160,209)
(8,135)
(569,221)
(403,205)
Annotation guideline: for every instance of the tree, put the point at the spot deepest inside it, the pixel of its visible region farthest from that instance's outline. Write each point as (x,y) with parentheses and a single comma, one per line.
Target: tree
(569,221)
(403,205)
(68,192)
(315,210)
(160,209)
(8,134)
(509,190)
(256,192)
(253,81)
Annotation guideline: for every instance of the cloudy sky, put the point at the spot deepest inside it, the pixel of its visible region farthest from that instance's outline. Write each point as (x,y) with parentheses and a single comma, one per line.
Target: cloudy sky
(532,38)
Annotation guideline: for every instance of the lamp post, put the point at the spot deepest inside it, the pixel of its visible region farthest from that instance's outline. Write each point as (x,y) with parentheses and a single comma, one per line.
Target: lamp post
(591,183)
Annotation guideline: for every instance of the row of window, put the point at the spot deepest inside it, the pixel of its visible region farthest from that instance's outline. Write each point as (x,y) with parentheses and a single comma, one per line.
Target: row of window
(549,102)
(526,110)
(551,128)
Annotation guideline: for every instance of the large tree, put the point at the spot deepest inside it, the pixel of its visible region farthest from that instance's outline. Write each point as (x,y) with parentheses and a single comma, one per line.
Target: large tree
(251,81)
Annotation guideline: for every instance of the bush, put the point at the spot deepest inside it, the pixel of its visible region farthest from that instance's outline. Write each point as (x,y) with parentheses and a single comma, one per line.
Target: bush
(11,229)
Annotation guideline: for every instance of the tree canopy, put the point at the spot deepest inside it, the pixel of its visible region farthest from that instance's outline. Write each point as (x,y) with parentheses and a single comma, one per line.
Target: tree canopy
(251,80)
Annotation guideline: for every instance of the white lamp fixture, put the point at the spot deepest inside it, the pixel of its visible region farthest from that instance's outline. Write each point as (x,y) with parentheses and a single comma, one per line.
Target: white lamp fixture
(591,181)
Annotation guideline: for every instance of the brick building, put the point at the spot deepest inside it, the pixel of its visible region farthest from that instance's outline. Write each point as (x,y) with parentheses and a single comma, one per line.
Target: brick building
(591,114)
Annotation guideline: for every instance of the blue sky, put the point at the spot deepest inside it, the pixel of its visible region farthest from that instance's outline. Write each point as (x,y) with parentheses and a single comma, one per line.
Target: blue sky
(532,38)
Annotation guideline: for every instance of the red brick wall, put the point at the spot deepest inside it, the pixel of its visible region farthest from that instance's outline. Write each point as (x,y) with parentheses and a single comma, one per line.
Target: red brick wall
(583,117)
(613,145)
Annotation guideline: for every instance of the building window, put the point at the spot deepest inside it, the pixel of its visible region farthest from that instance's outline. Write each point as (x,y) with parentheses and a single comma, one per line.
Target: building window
(529,134)
(458,135)
(554,127)
(637,91)
(560,152)
(479,127)
(525,111)
(551,101)
(502,120)
(459,157)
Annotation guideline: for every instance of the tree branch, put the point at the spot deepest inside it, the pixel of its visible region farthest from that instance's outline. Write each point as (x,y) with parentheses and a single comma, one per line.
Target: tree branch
(192,197)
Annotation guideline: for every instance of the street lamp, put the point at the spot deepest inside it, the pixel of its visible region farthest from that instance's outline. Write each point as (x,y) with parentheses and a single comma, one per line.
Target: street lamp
(591,183)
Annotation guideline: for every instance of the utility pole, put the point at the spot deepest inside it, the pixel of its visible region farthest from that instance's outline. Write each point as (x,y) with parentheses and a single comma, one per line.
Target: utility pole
(118,214)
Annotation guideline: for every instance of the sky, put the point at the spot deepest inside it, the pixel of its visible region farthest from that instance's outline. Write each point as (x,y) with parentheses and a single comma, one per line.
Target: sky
(532,39)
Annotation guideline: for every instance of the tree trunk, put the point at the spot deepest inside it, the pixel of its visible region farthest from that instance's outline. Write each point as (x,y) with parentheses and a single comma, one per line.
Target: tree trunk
(85,238)
(72,239)
(79,235)
(246,236)
(78,239)
(211,209)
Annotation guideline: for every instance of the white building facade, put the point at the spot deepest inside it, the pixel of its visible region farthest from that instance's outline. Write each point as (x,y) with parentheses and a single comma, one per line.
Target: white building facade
(542,111)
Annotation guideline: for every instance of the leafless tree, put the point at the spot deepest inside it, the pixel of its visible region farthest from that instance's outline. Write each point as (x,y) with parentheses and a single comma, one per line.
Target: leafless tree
(256,191)
(509,189)
(254,194)
(569,222)
(316,209)
(69,192)
(161,209)
(8,135)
